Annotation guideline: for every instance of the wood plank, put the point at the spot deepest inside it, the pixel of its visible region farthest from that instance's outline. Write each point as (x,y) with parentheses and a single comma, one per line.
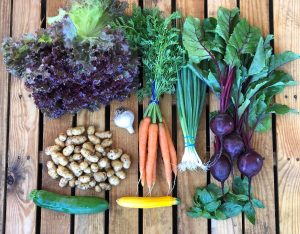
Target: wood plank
(52,222)
(124,220)
(187,182)
(286,31)
(5,23)
(23,134)
(257,12)
(160,220)
(233,225)
(90,223)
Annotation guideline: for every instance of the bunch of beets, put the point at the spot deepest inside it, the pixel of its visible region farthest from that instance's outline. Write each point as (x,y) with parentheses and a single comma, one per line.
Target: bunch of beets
(229,147)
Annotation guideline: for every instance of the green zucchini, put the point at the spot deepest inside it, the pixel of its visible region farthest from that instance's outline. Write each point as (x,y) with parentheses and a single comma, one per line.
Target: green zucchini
(68,204)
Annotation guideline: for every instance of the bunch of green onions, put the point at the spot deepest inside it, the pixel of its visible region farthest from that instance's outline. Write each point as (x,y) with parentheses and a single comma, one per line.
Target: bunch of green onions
(190,100)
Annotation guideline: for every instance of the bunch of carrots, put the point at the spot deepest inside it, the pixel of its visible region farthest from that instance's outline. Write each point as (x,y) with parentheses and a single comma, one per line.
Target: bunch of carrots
(153,130)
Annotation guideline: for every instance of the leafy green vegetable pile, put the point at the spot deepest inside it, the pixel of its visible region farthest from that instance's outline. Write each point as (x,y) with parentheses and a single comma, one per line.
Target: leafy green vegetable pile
(78,62)
(209,202)
(239,66)
(162,55)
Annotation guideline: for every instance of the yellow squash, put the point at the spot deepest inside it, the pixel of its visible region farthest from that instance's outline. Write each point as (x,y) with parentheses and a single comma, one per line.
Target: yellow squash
(147,202)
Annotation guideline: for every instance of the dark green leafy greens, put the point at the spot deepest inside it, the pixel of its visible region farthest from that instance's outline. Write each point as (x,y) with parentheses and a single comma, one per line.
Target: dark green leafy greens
(241,67)
(78,62)
(210,203)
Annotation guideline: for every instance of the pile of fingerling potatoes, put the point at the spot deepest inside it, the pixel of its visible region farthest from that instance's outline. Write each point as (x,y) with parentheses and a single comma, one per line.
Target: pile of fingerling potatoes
(84,158)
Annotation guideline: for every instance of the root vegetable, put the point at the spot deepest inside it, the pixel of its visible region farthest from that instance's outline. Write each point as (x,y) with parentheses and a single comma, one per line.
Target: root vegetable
(103,162)
(89,146)
(77,149)
(103,135)
(63,182)
(69,132)
(99,148)
(52,170)
(59,158)
(114,180)
(76,140)
(221,169)
(117,165)
(94,167)
(84,179)
(83,165)
(125,159)
(99,155)
(106,143)
(165,153)
(91,130)
(77,130)
(83,186)
(152,153)
(233,145)
(100,176)
(51,149)
(221,124)
(105,186)
(64,172)
(95,140)
(114,154)
(57,141)
(89,155)
(72,183)
(121,174)
(68,150)
(250,164)
(143,139)
(75,168)
(62,137)
(110,172)
(87,170)
(77,157)
(98,189)
(92,183)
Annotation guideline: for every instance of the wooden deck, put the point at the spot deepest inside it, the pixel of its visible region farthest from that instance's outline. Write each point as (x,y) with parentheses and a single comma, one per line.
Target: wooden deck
(25,132)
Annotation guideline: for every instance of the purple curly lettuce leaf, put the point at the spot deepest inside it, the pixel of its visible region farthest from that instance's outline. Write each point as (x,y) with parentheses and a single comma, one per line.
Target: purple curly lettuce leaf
(68,76)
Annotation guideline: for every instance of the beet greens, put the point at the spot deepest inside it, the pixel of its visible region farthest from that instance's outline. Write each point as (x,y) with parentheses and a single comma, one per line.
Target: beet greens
(237,63)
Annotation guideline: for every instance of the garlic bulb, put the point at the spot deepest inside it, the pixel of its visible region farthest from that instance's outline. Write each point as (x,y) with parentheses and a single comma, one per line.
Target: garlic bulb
(124,119)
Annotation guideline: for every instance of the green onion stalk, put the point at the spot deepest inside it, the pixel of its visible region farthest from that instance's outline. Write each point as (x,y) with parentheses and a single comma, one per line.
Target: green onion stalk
(190,100)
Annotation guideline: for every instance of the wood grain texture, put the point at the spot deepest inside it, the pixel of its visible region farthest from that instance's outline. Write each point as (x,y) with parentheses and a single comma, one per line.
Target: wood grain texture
(257,12)
(53,222)
(123,220)
(23,134)
(90,224)
(187,182)
(286,31)
(233,225)
(160,220)
(5,23)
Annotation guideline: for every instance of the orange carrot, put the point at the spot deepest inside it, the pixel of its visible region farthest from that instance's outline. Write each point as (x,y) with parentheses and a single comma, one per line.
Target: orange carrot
(172,150)
(143,137)
(154,173)
(152,153)
(165,153)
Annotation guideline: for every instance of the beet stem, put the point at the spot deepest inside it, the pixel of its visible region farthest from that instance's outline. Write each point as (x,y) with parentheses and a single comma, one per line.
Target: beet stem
(249,188)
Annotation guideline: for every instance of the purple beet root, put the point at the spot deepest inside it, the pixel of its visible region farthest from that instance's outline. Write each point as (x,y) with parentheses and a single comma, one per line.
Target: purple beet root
(233,145)
(221,169)
(250,164)
(222,124)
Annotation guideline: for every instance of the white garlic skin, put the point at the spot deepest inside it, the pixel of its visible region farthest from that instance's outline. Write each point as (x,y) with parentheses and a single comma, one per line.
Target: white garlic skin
(124,118)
